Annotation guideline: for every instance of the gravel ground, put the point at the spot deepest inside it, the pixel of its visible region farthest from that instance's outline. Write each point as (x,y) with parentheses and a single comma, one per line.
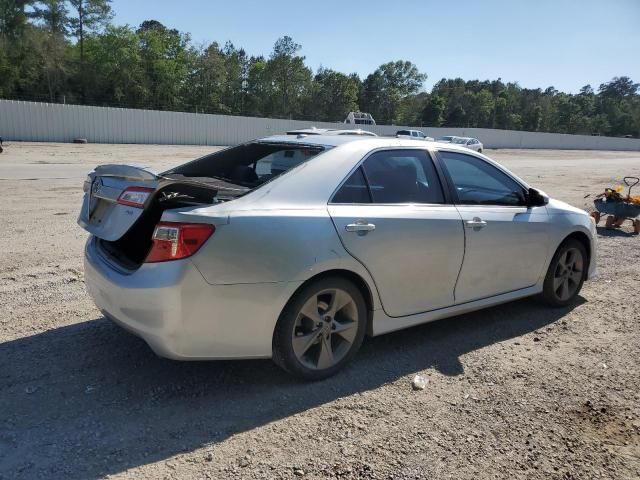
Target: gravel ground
(516,391)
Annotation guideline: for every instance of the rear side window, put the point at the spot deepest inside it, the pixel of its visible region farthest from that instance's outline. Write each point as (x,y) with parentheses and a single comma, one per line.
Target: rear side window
(354,190)
(402,176)
(479,183)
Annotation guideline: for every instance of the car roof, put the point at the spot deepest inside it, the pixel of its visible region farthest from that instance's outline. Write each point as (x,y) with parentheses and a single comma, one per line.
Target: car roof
(330,131)
(374,142)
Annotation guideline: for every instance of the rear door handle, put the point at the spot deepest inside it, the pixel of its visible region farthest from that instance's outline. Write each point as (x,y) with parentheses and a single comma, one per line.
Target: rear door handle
(476,222)
(360,226)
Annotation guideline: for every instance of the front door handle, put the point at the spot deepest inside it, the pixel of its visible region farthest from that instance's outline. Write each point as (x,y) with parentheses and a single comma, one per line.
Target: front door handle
(475,223)
(361,226)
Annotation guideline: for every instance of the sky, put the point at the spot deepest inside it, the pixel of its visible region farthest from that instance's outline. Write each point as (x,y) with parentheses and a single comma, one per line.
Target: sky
(562,43)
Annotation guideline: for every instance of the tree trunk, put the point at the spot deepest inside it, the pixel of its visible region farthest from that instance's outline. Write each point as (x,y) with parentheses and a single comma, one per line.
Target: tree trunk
(81,32)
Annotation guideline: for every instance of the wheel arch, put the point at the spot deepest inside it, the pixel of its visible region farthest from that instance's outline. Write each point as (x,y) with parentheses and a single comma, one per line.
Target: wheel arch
(583,238)
(353,277)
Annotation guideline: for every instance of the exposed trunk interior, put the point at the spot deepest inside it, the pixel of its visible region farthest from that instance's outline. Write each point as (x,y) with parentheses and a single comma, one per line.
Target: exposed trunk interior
(130,250)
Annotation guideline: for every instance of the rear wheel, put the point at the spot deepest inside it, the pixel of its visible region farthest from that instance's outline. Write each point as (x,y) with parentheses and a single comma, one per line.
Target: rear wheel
(566,274)
(479,150)
(321,329)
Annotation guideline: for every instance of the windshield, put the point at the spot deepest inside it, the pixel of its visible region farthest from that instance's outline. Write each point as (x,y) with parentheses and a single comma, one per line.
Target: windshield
(250,164)
(459,140)
(447,139)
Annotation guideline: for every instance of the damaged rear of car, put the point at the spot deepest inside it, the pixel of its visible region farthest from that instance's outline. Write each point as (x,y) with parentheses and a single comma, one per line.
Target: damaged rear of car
(123,204)
(146,228)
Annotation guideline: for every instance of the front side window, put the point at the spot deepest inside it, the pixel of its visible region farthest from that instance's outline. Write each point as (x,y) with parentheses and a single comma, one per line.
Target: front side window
(477,182)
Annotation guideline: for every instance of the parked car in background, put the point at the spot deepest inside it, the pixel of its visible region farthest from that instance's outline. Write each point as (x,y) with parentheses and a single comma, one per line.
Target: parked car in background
(413,134)
(471,143)
(445,139)
(227,257)
(331,131)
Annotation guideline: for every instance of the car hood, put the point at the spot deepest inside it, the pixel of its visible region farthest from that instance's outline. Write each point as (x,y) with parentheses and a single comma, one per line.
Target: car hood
(557,207)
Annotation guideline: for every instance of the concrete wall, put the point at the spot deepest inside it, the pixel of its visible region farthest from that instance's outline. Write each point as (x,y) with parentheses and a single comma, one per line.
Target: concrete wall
(45,122)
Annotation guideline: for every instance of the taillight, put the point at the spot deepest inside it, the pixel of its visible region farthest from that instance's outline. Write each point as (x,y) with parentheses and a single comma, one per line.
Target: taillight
(135,196)
(172,241)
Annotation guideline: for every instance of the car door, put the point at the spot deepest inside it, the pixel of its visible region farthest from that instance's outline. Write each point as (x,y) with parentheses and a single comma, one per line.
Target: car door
(391,215)
(506,242)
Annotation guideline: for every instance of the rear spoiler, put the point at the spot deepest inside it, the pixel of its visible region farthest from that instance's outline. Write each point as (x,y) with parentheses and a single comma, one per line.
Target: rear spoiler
(127,172)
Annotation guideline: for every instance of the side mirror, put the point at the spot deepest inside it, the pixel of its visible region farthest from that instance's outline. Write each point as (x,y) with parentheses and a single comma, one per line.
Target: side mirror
(537,198)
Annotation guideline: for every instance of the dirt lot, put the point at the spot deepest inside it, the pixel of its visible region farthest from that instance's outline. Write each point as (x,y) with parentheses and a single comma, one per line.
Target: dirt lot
(517,391)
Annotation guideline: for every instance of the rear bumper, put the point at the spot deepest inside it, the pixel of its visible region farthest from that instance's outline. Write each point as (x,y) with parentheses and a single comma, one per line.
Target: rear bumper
(180,315)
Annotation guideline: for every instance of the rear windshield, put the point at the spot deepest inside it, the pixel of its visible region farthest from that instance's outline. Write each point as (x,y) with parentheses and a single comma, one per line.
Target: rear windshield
(403,132)
(250,164)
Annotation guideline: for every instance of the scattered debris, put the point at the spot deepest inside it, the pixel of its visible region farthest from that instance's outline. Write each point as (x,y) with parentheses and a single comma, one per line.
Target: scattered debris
(419,382)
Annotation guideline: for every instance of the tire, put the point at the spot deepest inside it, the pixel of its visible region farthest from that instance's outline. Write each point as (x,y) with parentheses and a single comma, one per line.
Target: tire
(479,150)
(313,340)
(566,274)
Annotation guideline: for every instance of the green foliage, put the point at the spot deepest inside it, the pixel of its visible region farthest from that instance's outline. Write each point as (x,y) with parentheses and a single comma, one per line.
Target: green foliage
(332,94)
(290,78)
(67,50)
(385,89)
(13,18)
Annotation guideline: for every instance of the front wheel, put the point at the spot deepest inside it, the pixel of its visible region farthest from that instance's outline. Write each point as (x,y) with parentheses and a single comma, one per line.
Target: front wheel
(321,329)
(566,274)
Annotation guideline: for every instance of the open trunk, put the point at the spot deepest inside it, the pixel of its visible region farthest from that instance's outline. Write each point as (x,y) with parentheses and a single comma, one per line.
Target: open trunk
(123,230)
(123,203)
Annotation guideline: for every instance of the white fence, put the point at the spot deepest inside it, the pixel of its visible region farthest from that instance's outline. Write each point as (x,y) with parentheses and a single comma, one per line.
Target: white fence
(45,122)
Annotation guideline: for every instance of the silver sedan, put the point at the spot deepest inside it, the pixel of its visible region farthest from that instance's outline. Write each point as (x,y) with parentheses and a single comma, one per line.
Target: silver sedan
(295,248)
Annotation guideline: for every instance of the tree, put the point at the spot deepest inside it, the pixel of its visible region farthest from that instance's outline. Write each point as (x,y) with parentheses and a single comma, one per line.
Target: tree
(619,87)
(333,96)
(289,76)
(456,117)
(114,68)
(13,18)
(259,86)
(52,14)
(433,113)
(88,16)
(166,58)
(384,89)
(206,83)
(236,65)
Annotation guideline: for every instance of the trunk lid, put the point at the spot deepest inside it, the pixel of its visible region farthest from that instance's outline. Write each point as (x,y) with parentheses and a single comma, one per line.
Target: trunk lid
(101,214)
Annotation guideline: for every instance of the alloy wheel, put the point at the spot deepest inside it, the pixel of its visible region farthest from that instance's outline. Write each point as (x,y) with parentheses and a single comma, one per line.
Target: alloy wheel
(568,274)
(325,329)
